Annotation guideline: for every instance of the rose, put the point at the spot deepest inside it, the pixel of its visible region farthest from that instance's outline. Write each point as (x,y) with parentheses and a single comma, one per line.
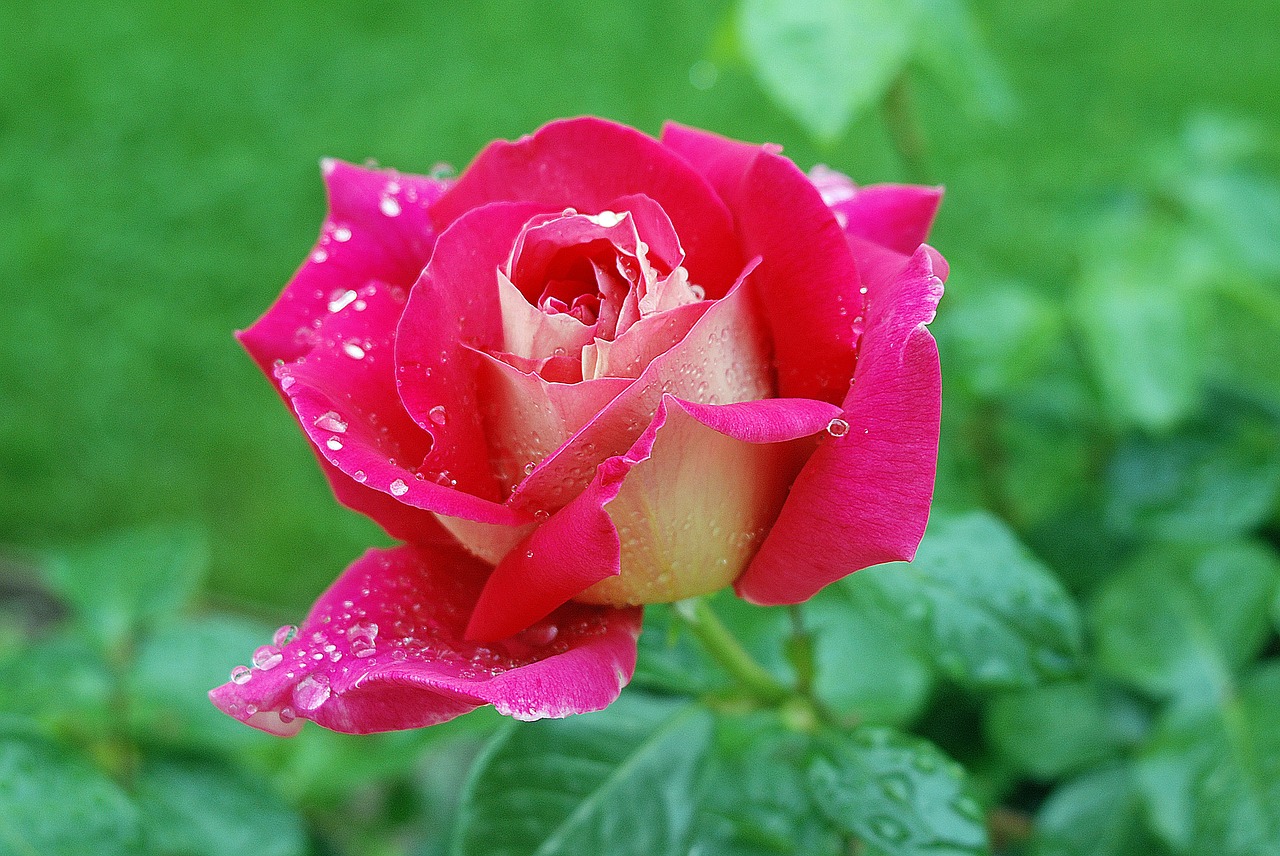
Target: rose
(596,371)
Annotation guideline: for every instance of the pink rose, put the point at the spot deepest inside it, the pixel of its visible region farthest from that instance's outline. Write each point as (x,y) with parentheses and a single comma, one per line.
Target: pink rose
(596,371)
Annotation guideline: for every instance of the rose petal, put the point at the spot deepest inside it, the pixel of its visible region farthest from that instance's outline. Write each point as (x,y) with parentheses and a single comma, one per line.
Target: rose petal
(863,498)
(454,306)
(642,343)
(808,285)
(345,396)
(723,359)
(589,163)
(897,216)
(362,257)
(383,649)
(526,417)
(718,474)
(532,334)
(358,244)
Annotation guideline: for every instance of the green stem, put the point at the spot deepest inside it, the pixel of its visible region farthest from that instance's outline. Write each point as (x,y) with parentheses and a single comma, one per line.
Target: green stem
(704,624)
(800,652)
(904,130)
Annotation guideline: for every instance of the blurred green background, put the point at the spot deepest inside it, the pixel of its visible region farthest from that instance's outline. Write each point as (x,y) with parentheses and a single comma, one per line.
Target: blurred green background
(1110,337)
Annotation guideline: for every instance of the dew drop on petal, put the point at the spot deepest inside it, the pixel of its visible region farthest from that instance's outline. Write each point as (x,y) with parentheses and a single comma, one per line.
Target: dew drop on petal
(698,292)
(330,421)
(285,634)
(267,657)
(342,234)
(529,468)
(319,257)
(390,206)
(311,692)
(341,299)
(359,476)
(438,415)
(241,674)
(353,350)
(837,427)
(334,444)
(287,715)
(399,488)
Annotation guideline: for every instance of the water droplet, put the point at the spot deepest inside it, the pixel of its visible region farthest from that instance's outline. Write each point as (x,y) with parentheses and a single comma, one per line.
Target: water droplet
(334,443)
(569,212)
(442,171)
(312,691)
(529,468)
(287,715)
(330,421)
(363,639)
(390,206)
(888,829)
(438,415)
(698,292)
(319,257)
(862,290)
(837,427)
(540,634)
(399,488)
(241,674)
(285,634)
(342,234)
(353,350)
(897,787)
(540,514)
(359,475)
(267,657)
(340,300)
(606,219)
(528,554)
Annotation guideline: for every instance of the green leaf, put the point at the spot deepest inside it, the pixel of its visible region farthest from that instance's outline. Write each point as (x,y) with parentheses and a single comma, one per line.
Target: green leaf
(1141,308)
(1182,621)
(1209,483)
(1100,813)
(53,803)
(826,61)
(191,807)
(897,795)
(61,680)
(1055,729)
(951,48)
(172,673)
(992,615)
(753,797)
(132,579)
(1211,776)
(869,663)
(998,337)
(618,782)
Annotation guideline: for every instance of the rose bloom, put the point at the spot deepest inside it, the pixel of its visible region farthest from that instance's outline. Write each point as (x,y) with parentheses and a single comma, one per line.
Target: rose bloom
(596,371)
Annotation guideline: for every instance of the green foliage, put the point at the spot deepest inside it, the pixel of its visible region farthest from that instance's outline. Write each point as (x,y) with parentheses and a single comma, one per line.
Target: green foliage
(610,782)
(990,614)
(825,61)
(1182,622)
(190,807)
(898,796)
(53,802)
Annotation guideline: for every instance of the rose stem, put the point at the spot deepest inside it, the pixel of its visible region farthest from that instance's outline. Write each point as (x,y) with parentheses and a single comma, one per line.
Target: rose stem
(904,130)
(726,650)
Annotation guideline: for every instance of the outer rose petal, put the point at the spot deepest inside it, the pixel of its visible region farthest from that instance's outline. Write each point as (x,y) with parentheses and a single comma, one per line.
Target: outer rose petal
(897,216)
(383,650)
(863,498)
(716,475)
(808,281)
(588,163)
(360,248)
